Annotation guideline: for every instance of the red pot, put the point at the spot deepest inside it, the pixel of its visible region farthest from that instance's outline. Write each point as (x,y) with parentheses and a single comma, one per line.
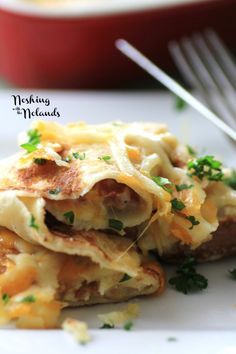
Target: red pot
(74,48)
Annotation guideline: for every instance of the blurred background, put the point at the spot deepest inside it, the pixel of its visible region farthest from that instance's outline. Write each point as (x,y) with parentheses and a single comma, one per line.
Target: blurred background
(69,44)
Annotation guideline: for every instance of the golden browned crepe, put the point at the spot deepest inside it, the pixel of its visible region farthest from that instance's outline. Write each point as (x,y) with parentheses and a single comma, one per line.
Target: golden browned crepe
(95,199)
(38,283)
(103,173)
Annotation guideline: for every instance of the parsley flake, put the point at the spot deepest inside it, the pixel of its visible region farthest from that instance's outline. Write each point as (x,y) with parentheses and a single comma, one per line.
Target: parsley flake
(34,137)
(117,124)
(180,104)
(116,224)
(231,180)
(105,158)
(67,159)
(207,167)
(125,278)
(187,279)
(70,217)
(192,152)
(32,223)
(233,273)
(34,140)
(162,182)
(193,221)
(128,325)
(181,187)
(172,339)
(177,205)
(40,161)
(29,147)
(79,156)
(5,298)
(107,326)
(28,299)
(55,191)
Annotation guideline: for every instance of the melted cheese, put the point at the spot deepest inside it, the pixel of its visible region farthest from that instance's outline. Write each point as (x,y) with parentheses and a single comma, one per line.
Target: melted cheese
(53,280)
(95,209)
(136,152)
(84,263)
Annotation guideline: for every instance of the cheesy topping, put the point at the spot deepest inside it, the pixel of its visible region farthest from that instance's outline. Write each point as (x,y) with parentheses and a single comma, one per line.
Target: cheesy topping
(82,201)
(135,185)
(36,283)
(78,329)
(107,200)
(118,318)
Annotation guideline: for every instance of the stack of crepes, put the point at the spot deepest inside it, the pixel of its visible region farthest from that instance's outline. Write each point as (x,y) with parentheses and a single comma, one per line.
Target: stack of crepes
(82,206)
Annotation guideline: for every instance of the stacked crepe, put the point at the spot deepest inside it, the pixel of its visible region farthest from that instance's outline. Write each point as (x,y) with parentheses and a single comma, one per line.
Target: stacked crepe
(82,206)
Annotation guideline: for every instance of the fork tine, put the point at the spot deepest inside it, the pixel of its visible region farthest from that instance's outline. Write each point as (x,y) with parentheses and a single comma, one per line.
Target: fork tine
(142,61)
(183,65)
(217,101)
(221,80)
(223,54)
(186,70)
(197,64)
(206,84)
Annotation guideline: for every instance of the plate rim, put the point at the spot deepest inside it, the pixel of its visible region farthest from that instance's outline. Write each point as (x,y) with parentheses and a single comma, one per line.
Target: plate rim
(94,9)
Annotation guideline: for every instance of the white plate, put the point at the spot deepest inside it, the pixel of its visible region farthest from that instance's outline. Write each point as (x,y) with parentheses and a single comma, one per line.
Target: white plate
(203,322)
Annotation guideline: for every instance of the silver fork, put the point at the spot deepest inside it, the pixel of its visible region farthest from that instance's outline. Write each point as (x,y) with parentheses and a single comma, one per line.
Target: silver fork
(207,67)
(152,69)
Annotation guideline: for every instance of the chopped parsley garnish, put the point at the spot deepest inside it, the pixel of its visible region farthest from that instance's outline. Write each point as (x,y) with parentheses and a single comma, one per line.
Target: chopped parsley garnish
(67,159)
(233,273)
(34,137)
(32,223)
(83,342)
(125,278)
(105,158)
(193,221)
(70,217)
(172,339)
(5,298)
(231,180)
(34,140)
(187,279)
(55,191)
(128,325)
(207,167)
(29,147)
(79,156)
(181,187)
(191,151)
(40,161)
(116,224)
(180,104)
(162,182)
(107,326)
(177,205)
(117,124)
(29,299)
